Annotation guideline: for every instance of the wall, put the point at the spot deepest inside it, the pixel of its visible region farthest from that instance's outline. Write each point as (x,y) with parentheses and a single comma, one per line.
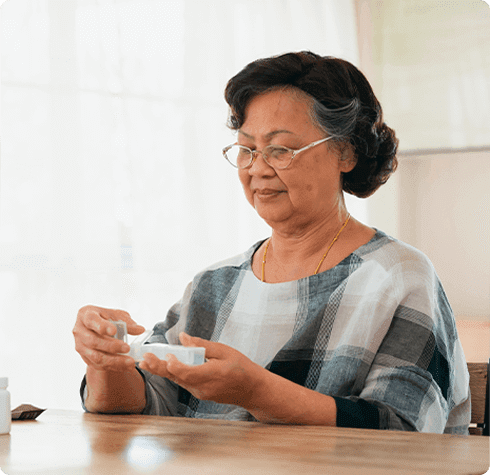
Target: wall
(429,64)
(444,212)
(113,188)
(429,61)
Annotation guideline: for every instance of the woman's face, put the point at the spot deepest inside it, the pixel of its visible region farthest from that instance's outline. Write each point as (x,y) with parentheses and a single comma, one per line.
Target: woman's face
(306,193)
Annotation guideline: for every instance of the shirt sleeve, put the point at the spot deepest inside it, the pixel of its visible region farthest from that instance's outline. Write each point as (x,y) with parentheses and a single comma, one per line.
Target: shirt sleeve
(418,380)
(161,394)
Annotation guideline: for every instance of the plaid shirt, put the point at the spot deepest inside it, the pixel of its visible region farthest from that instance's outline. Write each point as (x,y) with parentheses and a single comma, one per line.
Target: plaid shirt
(375,332)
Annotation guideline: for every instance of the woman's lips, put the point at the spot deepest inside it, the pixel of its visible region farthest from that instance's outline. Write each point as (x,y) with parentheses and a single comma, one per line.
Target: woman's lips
(267,192)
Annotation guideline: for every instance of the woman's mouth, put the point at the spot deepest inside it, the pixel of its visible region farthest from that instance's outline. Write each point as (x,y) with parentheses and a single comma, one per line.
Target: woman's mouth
(265,193)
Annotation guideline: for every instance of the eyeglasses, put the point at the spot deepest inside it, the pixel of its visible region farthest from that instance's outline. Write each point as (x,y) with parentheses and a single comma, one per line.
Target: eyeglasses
(276,156)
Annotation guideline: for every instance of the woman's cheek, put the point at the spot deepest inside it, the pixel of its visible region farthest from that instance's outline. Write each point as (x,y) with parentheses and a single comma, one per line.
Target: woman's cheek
(245,181)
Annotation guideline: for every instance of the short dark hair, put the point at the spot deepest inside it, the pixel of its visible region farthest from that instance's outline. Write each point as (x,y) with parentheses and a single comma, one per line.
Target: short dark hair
(343,105)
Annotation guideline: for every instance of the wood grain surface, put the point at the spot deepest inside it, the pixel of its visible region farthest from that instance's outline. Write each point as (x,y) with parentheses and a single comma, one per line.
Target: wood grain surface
(69,442)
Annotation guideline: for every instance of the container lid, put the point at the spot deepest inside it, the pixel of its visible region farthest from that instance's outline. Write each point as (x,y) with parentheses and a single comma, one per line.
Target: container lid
(4,382)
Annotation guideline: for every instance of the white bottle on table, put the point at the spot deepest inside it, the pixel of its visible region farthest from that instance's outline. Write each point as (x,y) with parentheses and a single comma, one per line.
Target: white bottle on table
(5,413)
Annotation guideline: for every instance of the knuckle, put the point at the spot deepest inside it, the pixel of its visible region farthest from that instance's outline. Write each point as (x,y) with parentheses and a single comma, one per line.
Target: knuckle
(114,347)
(107,362)
(122,315)
(97,358)
(78,346)
(85,309)
(97,324)
(92,341)
(86,360)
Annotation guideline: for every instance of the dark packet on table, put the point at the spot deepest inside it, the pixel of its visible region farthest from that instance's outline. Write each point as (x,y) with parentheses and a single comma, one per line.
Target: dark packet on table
(26,411)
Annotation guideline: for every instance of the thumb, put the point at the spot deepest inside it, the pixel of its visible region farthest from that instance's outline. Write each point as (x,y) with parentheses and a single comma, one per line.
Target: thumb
(121,315)
(188,340)
(134,328)
(213,349)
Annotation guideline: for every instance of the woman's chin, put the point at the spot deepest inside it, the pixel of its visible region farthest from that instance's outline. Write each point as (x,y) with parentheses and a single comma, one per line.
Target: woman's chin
(271,214)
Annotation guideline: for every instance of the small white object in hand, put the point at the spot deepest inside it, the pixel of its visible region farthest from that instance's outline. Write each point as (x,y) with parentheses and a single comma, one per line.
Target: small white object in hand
(188,355)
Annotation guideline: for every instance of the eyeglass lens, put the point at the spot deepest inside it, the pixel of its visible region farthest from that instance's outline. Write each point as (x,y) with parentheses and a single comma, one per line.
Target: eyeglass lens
(241,157)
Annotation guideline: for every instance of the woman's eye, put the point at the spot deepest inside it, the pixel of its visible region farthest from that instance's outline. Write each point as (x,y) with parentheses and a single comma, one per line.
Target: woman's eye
(251,147)
(243,151)
(278,151)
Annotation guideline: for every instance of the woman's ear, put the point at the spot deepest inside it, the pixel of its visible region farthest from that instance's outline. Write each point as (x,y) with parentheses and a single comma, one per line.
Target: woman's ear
(348,159)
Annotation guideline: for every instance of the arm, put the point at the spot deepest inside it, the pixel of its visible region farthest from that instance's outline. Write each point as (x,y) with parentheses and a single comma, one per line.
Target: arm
(279,400)
(113,384)
(362,374)
(417,379)
(115,391)
(395,395)
(228,377)
(407,385)
(413,381)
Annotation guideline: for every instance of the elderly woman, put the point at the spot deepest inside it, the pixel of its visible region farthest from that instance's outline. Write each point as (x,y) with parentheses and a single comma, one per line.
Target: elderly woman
(328,321)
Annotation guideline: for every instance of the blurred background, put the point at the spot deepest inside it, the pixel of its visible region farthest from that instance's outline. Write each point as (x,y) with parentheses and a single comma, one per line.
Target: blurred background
(113,189)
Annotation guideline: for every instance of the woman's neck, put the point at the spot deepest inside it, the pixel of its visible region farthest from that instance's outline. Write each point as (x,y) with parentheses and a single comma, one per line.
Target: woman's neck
(294,255)
(308,241)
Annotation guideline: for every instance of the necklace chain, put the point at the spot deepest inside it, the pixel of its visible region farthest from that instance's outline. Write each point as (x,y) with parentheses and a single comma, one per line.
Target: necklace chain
(321,260)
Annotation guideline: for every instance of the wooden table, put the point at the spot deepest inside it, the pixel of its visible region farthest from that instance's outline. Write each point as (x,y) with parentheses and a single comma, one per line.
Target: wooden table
(70,442)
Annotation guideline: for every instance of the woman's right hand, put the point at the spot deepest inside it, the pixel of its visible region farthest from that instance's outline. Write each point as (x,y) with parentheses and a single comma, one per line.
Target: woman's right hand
(94,340)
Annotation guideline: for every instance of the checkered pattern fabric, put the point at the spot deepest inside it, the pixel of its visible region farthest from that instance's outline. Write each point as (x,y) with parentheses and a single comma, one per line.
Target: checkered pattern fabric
(376,332)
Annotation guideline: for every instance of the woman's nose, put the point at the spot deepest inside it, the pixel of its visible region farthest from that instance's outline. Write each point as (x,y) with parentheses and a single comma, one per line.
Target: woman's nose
(259,165)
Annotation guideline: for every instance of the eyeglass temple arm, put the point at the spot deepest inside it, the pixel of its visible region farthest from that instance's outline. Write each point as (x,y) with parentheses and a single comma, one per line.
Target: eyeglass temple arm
(314,144)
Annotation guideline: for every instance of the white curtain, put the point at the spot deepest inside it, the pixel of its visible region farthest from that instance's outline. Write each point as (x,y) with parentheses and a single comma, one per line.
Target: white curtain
(113,190)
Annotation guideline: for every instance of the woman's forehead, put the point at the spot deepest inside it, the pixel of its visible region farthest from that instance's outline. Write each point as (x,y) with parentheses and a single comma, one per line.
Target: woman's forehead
(276,112)
(268,135)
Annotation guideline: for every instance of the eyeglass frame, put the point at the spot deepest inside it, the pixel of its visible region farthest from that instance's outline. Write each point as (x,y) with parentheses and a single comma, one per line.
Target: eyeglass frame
(253,153)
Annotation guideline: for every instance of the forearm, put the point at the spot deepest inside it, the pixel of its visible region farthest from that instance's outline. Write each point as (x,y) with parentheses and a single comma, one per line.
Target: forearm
(115,392)
(276,399)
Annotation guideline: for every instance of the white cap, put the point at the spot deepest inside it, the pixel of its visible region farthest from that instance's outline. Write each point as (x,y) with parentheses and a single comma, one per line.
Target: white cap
(4,382)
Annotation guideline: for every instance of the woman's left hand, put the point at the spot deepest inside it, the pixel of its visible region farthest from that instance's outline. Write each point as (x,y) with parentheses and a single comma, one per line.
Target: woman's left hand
(227,377)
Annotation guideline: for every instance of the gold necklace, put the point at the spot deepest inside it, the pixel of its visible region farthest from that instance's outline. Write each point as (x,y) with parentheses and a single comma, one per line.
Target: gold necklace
(321,260)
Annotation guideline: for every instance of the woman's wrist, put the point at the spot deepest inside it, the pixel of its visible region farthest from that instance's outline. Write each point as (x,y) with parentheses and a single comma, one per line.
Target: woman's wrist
(263,400)
(257,388)
(114,392)
(275,399)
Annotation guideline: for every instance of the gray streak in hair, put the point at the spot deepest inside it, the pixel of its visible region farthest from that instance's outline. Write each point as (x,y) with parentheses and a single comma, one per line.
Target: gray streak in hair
(340,121)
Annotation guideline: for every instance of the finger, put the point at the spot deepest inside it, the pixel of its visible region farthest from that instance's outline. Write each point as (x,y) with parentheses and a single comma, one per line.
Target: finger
(121,315)
(86,338)
(135,329)
(213,349)
(188,374)
(154,365)
(105,344)
(187,340)
(174,366)
(93,319)
(106,362)
(99,319)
